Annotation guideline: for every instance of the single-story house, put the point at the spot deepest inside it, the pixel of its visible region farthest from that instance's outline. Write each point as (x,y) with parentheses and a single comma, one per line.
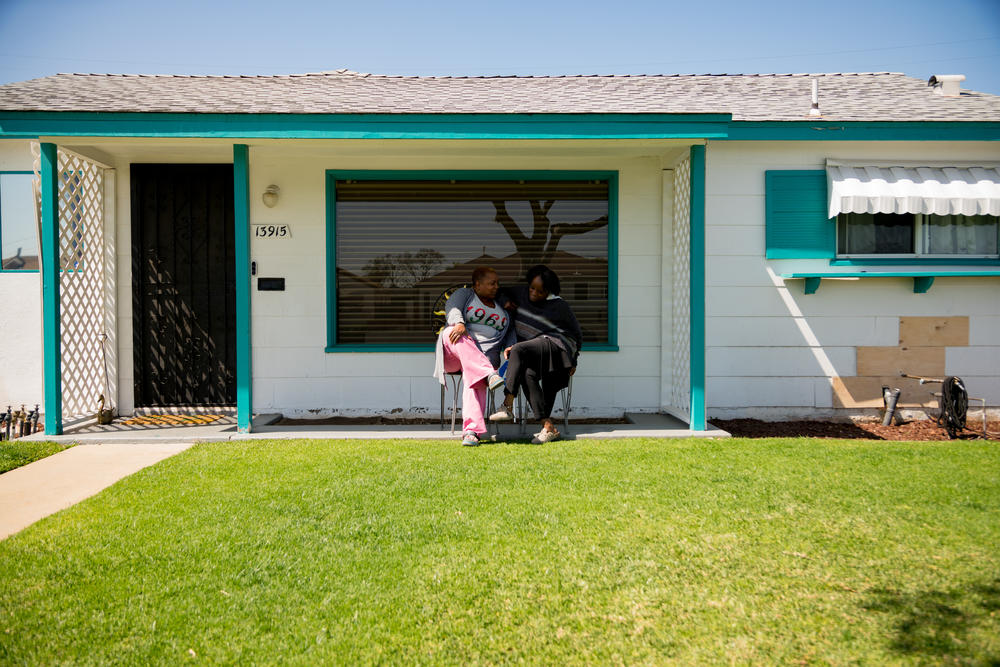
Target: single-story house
(773,246)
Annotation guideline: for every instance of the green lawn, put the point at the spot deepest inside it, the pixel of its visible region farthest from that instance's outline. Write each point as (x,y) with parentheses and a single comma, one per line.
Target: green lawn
(631,551)
(17,453)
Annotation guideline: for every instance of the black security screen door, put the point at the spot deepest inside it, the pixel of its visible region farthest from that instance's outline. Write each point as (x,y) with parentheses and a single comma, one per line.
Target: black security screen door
(399,244)
(183,284)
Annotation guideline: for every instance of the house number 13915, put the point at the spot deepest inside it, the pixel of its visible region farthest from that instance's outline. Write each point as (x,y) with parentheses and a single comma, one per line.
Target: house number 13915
(272,232)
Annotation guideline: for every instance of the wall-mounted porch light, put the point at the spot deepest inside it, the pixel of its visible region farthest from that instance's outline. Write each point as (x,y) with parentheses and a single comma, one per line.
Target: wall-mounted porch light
(271,196)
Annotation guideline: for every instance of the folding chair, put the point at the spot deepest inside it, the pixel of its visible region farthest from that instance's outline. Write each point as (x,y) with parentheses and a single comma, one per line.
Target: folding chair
(455,380)
(456,385)
(439,320)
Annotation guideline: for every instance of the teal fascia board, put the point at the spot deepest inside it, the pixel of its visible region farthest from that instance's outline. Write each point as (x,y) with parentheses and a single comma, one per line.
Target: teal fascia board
(51,325)
(697,290)
(33,124)
(863,131)
(365,126)
(334,175)
(241,224)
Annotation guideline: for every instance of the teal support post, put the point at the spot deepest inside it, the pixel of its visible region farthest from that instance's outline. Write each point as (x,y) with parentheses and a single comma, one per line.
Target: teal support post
(51,326)
(697,291)
(241,214)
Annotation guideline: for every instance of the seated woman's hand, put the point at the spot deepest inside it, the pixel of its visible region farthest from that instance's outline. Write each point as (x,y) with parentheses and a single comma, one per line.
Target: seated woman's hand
(456,332)
(572,371)
(506,353)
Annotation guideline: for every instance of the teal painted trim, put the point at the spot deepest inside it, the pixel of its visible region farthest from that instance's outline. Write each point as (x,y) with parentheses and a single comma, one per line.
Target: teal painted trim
(33,124)
(916,260)
(429,347)
(972,273)
(697,289)
(922,280)
(3,270)
(241,224)
(366,126)
(613,259)
(382,347)
(467,175)
(331,263)
(334,175)
(806,130)
(51,325)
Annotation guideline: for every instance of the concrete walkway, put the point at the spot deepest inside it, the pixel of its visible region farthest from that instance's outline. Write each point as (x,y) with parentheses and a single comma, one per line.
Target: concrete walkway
(44,487)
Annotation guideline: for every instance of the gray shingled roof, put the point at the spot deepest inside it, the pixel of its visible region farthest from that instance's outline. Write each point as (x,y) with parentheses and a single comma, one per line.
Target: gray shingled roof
(874,96)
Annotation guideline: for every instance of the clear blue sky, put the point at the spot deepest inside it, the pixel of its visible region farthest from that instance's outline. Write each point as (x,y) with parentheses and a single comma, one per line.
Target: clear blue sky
(466,37)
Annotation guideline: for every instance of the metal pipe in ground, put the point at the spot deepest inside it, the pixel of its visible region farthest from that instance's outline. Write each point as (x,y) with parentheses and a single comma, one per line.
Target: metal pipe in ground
(891,398)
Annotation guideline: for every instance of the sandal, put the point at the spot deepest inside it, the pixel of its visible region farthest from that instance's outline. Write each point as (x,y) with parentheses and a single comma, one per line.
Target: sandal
(470,439)
(544,436)
(502,415)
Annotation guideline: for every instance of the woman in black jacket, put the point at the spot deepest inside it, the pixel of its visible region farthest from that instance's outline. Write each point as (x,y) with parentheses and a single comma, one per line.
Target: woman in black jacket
(548,346)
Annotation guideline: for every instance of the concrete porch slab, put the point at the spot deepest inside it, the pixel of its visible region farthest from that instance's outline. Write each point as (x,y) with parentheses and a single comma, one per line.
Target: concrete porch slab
(264,427)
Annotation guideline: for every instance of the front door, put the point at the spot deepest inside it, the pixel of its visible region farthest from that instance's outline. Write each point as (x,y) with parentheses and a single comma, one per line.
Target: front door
(183,285)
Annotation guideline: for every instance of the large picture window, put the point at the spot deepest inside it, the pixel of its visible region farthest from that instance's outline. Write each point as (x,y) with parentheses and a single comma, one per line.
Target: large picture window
(18,238)
(397,241)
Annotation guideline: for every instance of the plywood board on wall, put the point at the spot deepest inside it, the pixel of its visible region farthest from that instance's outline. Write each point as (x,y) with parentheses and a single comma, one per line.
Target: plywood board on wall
(866,392)
(890,361)
(933,331)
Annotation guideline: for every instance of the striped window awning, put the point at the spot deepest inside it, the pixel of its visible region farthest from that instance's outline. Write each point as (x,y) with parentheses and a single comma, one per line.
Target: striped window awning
(910,188)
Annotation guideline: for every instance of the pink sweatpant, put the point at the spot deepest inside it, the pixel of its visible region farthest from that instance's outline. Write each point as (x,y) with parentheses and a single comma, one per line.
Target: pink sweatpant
(475,367)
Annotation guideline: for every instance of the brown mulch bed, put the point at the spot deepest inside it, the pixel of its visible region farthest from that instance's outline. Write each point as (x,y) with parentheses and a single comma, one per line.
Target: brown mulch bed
(925,429)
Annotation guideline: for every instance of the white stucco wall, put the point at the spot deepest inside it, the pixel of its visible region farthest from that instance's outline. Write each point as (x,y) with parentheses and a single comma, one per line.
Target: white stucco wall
(20,312)
(760,362)
(294,375)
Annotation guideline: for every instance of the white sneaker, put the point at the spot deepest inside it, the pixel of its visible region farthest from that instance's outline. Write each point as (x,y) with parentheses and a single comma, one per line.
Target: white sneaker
(494,381)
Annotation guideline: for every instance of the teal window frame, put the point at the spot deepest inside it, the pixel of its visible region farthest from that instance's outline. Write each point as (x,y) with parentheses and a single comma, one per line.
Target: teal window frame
(333,175)
(3,270)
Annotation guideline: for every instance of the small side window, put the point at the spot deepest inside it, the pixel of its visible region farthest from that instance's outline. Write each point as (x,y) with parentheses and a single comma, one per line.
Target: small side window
(917,235)
(18,237)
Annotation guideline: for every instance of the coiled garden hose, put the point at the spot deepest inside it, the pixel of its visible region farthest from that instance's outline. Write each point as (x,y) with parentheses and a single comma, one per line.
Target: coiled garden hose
(954,404)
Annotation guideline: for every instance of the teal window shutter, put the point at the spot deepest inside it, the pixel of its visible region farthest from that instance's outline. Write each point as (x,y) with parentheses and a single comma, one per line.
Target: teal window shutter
(796,215)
